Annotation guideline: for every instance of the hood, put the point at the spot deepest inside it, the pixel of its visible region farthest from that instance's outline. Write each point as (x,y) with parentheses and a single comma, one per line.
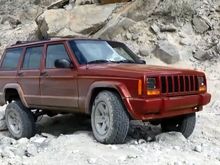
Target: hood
(138,69)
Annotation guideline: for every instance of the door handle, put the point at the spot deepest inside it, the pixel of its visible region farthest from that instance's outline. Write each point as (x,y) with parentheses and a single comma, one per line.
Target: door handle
(20,74)
(44,74)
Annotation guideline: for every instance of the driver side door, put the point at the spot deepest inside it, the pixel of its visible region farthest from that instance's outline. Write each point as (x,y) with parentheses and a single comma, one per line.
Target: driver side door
(58,85)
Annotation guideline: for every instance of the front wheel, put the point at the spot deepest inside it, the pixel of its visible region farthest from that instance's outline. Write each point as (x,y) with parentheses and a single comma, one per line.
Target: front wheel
(184,124)
(110,122)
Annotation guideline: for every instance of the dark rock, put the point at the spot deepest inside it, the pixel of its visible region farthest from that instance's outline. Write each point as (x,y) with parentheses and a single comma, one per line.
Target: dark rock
(58,4)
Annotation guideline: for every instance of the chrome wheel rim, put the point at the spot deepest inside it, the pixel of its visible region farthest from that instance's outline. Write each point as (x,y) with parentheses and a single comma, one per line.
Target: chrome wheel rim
(14,122)
(102,118)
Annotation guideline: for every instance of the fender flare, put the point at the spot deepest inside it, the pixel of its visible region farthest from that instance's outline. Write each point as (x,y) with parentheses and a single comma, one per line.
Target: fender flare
(18,88)
(118,86)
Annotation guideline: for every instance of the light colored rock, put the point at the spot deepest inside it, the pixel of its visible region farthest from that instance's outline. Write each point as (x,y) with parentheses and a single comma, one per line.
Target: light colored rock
(172,138)
(86,19)
(13,21)
(114,27)
(144,52)
(200,24)
(113,1)
(85,2)
(32,150)
(155,28)
(3,125)
(167,52)
(203,55)
(198,148)
(37,139)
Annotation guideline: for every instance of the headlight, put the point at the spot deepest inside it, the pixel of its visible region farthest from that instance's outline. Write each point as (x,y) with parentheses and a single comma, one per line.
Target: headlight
(152,86)
(202,85)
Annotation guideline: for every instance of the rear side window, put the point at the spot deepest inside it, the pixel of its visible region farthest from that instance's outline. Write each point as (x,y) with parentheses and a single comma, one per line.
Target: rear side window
(32,58)
(11,59)
(55,52)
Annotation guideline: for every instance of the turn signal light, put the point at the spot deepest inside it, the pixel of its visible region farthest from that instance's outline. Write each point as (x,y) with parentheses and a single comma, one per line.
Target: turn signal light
(139,87)
(153,92)
(202,88)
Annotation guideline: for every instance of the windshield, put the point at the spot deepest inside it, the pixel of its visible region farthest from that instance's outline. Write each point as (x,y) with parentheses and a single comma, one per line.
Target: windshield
(95,51)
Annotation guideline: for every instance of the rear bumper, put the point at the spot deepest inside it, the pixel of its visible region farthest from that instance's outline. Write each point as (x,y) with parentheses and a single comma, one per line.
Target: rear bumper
(162,107)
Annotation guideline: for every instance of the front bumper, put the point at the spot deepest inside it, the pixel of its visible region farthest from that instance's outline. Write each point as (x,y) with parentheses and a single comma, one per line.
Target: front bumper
(162,107)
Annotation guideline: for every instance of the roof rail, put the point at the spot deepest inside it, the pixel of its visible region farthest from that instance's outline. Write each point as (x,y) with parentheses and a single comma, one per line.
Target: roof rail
(25,42)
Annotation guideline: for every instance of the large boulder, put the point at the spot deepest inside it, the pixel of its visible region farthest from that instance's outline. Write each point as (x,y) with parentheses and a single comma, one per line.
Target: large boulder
(167,52)
(25,32)
(85,20)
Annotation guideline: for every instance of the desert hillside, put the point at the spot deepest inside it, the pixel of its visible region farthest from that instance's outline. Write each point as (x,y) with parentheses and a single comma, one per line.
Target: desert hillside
(177,33)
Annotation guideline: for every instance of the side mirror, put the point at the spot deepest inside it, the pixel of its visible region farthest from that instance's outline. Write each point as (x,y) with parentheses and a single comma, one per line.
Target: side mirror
(63,63)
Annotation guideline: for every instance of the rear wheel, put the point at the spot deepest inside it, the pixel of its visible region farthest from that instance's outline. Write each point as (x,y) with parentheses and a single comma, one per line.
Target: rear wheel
(109,120)
(19,120)
(184,124)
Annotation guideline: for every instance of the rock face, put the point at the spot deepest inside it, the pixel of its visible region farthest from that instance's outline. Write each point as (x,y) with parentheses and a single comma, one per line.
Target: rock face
(167,52)
(85,20)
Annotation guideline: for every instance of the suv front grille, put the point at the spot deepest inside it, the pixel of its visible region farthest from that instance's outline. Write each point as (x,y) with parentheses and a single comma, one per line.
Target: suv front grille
(179,84)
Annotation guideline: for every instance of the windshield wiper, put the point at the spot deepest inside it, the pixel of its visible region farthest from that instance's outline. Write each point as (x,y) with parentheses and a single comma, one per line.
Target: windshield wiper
(125,61)
(98,61)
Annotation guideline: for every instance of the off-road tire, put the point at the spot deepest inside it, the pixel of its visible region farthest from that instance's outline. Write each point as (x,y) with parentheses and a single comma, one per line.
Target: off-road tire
(25,118)
(118,118)
(184,124)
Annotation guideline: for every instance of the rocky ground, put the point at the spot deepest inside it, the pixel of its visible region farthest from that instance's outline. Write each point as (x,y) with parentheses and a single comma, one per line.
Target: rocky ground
(180,33)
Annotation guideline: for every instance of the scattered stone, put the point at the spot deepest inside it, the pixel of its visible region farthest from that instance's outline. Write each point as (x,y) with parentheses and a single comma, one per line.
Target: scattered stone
(200,24)
(135,36)
(155,28)
(58,4)
(92,160)
(186,42)
(37,139)
(141,141)
(167,52)
(3,125)
(144,52)
(217,9)
(168,28)
(112,1)
(128,36)
(203,55)
(31,150)
(85,2)
(113,147)
(13,21)
(198,148)
(173,138)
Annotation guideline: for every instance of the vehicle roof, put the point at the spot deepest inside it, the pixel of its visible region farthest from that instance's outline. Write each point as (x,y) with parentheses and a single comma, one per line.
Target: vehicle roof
(29,43)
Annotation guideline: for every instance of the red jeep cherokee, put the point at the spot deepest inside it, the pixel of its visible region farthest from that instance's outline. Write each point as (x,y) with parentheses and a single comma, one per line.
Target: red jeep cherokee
(104,79)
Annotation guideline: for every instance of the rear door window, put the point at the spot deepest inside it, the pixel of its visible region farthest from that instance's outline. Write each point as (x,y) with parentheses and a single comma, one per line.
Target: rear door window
(11,59)
(32,58)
